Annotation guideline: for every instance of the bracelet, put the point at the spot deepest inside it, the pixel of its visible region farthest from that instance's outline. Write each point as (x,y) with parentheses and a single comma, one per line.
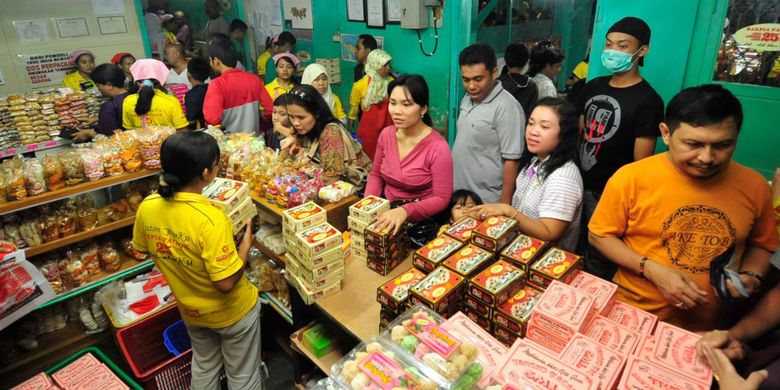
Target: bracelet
(755,275)
(515,214)
(642,267)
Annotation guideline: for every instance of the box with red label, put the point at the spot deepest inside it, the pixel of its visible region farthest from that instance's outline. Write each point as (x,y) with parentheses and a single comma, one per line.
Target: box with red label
(382,238)
(603,292)
(600,363)
(675,348)
(483,322)
(321,259)
(377,366)
(318,239)
(431,254)
(308,295)
(527,363)
(469,260)
(523,251)
(490,351)
(399,254)
(383,268)
(244,212)
(440,291)
(562,311)
(368,209)
(74,371)
(613,336)
(544,338)
(389,252)
(357,226)
(632,318)
(463,229)
(226,194)
(98,377)
(515,313)
(556,264)
(394,294)
(478,306)
(496,283)
(495,233)
(303,217)
(38,382)
(642,375)
(644,350)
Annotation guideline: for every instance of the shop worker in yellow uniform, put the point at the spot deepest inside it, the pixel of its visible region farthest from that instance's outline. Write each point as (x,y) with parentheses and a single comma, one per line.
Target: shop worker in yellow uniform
(192,244)
(81,78)
(151,106)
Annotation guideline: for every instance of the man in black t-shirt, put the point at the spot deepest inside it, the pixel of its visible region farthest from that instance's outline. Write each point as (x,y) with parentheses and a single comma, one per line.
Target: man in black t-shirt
(513,77)
(620,117)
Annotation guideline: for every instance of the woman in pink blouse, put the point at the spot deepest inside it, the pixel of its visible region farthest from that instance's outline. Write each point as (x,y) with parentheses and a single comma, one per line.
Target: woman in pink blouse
(413,164)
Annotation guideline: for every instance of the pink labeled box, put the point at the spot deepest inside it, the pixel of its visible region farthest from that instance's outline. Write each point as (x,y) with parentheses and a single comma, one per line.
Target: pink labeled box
(38,382)
(563,311)
(643,375)
(73,372)
(527,363)
(600,363)
(545,339)
(603,292)
(490,351)
(99,377)
(675,348)
(613,336)
(632,318)
(645,348)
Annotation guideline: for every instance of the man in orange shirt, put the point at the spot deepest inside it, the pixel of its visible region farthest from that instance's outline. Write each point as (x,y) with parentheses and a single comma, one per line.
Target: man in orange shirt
(663,219)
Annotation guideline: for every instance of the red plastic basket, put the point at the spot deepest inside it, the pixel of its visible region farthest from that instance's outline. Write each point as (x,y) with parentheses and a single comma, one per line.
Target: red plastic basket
(144,349)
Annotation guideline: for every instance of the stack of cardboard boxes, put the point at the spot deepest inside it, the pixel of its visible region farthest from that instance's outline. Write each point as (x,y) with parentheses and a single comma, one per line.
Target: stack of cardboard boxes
(385,249)
(232,197)
(393,296)
(361,215)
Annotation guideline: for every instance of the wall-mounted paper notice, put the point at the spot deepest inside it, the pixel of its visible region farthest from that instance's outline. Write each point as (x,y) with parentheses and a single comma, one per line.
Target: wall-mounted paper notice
(32,31)
(108,7)
(112,25)
(71,28)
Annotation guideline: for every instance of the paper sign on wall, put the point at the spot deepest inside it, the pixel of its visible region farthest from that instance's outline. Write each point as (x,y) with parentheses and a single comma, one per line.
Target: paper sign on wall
(45,69)
(299,11)
(32,31)
(24,288)
(72,27)
(112,25)
(332,66)
(108,7)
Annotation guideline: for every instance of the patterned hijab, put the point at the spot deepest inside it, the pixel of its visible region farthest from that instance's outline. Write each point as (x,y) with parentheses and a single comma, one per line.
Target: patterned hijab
(377,88)
(311,73)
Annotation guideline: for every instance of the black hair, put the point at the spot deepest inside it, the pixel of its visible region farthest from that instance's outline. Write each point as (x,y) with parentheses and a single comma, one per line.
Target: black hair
(199,68)
(281,100)
(369,42)
(109,74)
(238,24)
(309,99)
(285,37)
(478,53)
(122,58)
(542,55)
(288,59)
(516,55)
(145,96)
(703,105)
(417,89)
(568,148)
(183,157)
(221,48)
(459,198)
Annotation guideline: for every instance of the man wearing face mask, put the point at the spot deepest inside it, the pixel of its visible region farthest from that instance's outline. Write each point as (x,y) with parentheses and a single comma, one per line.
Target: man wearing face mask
(620,117)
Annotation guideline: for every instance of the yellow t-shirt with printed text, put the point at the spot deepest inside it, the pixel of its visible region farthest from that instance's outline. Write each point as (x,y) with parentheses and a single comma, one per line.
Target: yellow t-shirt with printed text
(191,242)
(166,111)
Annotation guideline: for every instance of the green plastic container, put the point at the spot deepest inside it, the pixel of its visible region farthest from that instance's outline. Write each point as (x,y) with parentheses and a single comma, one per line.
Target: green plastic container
(99,355)
(318,340)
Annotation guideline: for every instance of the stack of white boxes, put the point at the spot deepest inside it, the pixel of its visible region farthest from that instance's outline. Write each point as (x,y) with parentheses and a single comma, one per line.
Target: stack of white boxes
(361,215)
(232,197)
(314,260)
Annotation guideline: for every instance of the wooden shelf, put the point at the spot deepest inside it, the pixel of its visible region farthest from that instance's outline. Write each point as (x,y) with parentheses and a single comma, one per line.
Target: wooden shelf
(78,237)
(57,142)
(325,362)
(67,192)
(279,260)
(277,305)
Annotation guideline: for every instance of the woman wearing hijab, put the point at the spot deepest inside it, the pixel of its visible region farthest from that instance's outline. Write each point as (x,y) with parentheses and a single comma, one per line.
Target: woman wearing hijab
(81,79)
(317,76)
(369,94)
(151,106)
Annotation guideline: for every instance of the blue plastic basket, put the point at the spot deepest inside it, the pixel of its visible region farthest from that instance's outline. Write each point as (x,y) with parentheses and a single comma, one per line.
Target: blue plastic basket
(176,339)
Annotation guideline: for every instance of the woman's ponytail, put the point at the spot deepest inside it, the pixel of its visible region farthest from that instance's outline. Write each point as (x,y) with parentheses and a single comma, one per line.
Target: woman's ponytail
(145,95)
(169,185)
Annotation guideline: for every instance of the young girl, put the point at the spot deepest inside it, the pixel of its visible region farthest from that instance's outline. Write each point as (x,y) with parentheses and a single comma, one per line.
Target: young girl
(192,244)
(548,196)
(124,61)
(283,42)
(317,76)
(286,64)
(544,67)
(370,95)
(80,79)
(461,203)
(282,126)
(151,106)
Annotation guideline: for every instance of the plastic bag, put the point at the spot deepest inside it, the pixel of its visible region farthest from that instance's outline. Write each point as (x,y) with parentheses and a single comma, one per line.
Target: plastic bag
(129,151)
(375,365)
(51,271)
(54,173)
(93,164)
(90,256)
(112,161)
(33,176)
(109,258)
(73,168)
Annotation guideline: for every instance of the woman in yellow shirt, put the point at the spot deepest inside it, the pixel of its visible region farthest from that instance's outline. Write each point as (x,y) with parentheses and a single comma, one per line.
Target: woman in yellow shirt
(80,79)
(317,76)
(370,95)
(151,106)
(286,64)
(191,242)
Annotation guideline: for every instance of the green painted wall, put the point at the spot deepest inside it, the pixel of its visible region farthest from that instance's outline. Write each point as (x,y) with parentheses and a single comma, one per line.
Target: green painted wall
(195,13)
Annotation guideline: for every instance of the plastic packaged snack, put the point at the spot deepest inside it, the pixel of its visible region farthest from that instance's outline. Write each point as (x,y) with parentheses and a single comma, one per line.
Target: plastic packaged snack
(93,164)
(129,151)
(450,360)
(51,271)
(112,161)
(33,176)
(109,258)
(73,168)
(28,230)
(87,218)
(54,173)
(127,246)
(49,226)
(67,222)
(375,365)
(78,273)
(90,257)
(17,188)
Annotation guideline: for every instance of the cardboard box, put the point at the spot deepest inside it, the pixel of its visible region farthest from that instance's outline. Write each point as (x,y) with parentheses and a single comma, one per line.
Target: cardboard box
(548,341)
(430,255)
(463,229)
(613,336)
(632,318)
(562,311)
(316,274)
(505,335)
(483,322)
(643,375)
(310,296)
(358,240)
(398,255)
(496,283)
(527,363)
(515,313)
(478,306)
(603,292)
(385,318)
(383,250)
(395,294)
(324,282)
(303,217)
(495,233)
(382,237)
(360,253)
(440,290)
(490,351)
(523,251)
(383,268)
(644,350)
(675,348)
(321,259)
(226,194)
(238,217)
(357,226)
(318,239)
(38,382)
(368,209)
(469,260)
(600,363)
(73,372)
(556,264)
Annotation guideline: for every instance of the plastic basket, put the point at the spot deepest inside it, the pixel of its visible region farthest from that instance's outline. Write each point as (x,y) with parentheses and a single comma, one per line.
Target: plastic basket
(117,325)
(100,356)
(176,338)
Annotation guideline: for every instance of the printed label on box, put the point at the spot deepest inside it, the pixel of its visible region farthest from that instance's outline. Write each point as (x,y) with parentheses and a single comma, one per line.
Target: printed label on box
(632,318)
(437,285)
(385,372)
(516,312)
(565,305)
(432,335)
(613,336)
(595,360)
(526,363)
(676,349)
(498,282)
(468,260)
(603,292)
(395,292)
(522,251)
(462,230)
(642,375)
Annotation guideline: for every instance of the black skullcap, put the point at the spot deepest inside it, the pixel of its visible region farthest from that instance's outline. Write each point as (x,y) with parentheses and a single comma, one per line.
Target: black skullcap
(635,27)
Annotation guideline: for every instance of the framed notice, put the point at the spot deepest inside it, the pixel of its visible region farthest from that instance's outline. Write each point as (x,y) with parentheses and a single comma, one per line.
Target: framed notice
(356,11)
(32,31)
(393,11)
(112,25)
(375,14)
(72,27)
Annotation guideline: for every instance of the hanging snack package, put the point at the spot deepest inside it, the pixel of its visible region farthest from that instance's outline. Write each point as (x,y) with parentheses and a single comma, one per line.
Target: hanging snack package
(110,260)
(33,176)
(53,172)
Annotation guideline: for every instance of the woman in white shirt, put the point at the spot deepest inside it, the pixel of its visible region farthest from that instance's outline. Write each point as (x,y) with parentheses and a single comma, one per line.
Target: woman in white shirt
(545,65)
(548,196)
